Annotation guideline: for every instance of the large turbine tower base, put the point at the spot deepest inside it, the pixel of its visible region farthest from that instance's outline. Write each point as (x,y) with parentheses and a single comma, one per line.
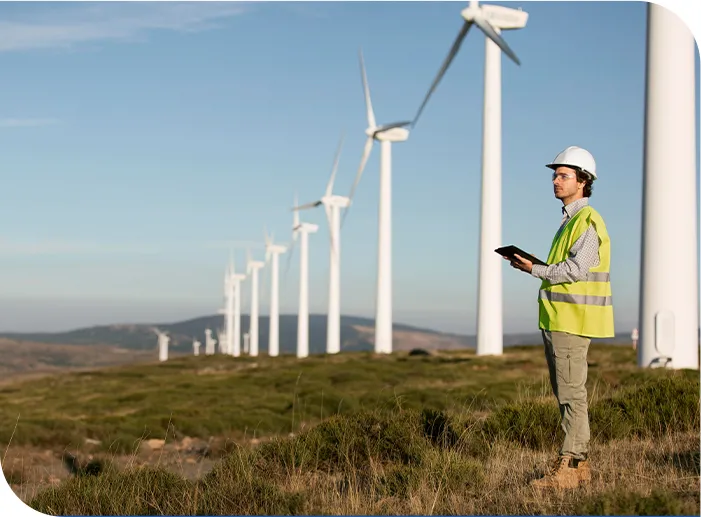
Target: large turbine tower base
(669,310)
(490,336)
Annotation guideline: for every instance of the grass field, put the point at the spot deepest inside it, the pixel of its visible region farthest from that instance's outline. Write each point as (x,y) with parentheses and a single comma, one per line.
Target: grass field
(449,433)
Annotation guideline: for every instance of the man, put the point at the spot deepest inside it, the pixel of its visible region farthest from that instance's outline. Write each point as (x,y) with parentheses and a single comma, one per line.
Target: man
(574,306)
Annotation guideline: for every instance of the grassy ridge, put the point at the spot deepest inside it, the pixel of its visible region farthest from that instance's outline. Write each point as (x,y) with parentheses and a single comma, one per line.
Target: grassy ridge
(220,396)
(402,461)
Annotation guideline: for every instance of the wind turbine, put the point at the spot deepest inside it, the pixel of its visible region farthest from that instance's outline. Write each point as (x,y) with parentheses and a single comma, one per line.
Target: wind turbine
(221,336)
(273,252)
(209,342)
(332,204)
(232,310)
(235,286)
(196,347)
(228,311)
(163,340)
(302,229)
(491,20)
(252,268)
(669,317)
(386,135)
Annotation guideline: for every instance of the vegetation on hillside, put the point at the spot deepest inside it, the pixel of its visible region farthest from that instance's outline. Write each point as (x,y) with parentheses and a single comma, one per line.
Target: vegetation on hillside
(450,433)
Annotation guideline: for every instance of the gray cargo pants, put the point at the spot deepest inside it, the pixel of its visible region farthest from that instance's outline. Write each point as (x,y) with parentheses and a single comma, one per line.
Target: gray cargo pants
(567,363)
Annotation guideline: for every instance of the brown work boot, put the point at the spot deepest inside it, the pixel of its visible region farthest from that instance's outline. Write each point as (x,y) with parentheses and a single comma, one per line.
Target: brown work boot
(563,476)
(583,470)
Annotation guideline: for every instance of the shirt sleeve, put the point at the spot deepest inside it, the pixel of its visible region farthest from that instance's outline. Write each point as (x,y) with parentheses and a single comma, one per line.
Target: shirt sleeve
(583,256)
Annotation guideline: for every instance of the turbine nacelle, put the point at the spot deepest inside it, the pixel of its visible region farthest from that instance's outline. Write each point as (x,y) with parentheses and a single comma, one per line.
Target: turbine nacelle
(392,134)
(500,17)
(335,201)
(306,228)
(255,264)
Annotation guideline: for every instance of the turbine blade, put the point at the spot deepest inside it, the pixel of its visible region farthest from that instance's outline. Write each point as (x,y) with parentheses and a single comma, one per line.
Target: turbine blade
(265,234)
(329,186)
(332,242)
(307,206)
(492,34)
(295,215)
(366,89)
(453,51)
(392,126)
(289,258)
(363,161)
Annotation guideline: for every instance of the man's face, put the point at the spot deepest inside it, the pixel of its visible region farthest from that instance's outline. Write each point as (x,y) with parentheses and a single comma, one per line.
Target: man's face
(565,183)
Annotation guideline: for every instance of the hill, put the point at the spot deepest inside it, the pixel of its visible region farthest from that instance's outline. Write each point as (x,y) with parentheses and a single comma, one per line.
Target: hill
(357,334)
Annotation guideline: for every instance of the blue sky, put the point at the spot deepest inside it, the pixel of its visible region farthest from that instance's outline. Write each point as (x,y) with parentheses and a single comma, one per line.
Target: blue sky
(137,138)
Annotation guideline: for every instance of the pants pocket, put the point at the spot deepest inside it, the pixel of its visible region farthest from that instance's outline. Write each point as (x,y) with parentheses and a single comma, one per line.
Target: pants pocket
(571,365)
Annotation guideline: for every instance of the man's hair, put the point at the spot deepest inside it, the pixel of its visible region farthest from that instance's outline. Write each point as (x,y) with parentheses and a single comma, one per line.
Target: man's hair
(588,182)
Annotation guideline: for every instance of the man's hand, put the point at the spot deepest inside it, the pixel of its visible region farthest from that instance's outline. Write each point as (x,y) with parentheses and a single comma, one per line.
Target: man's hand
(521,263)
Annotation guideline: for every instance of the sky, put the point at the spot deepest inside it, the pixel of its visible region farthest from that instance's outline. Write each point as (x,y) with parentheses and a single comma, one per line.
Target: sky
(138,141)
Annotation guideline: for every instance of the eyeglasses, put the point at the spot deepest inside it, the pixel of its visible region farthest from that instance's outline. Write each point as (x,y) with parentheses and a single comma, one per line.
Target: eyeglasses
(563,175)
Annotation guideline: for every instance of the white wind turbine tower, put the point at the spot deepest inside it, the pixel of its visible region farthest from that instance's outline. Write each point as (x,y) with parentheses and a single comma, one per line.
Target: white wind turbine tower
(228,311)
(221,336)
(273,252)
(235,297)
(491,19)
(246,342)
(252,268)
(669,317)
(303,230)
(332,204)
(196,347)
(209,342)
(386,135)
(163,340)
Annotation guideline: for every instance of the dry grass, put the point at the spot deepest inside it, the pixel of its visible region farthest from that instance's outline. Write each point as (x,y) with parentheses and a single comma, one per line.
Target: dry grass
(429,463)
(449,433)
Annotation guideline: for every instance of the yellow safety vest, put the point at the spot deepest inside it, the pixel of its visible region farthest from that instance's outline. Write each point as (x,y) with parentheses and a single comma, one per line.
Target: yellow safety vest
(582,308)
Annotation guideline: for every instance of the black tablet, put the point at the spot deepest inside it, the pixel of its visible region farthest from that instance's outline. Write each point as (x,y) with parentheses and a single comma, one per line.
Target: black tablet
(511,250)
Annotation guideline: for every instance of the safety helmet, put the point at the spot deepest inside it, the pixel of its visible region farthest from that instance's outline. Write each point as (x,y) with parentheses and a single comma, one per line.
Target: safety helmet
(576,158)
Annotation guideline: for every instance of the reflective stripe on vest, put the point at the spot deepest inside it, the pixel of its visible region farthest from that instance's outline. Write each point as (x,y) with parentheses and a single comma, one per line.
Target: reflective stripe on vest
(580,299)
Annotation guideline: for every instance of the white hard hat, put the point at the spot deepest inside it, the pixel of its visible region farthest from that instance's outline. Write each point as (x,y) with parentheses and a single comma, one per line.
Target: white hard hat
(577,158)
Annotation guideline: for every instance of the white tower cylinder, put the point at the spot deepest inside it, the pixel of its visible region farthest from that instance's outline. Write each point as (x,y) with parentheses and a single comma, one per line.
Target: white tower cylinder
(303,317)
(490,338)
(230,316)
(253,332)
(669,281)
(237,318)
(383,308)
(333,329)
(274,332)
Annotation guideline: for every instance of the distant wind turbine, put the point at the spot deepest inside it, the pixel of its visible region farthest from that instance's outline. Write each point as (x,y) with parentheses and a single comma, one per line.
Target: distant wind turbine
(196,347)
(252,268)
(490,19)
(163,340)
(303,230)
(235,285)
(386,135)
(272,253)
(332,204)
(209,342)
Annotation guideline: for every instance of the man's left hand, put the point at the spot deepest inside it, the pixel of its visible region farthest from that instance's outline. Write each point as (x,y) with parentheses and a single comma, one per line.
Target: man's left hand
(521,263)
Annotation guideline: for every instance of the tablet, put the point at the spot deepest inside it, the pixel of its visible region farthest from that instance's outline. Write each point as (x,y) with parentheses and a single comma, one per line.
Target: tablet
(511,250)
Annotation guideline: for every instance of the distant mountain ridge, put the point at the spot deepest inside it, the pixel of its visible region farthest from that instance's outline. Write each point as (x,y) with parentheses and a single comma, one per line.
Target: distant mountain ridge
(356,335)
